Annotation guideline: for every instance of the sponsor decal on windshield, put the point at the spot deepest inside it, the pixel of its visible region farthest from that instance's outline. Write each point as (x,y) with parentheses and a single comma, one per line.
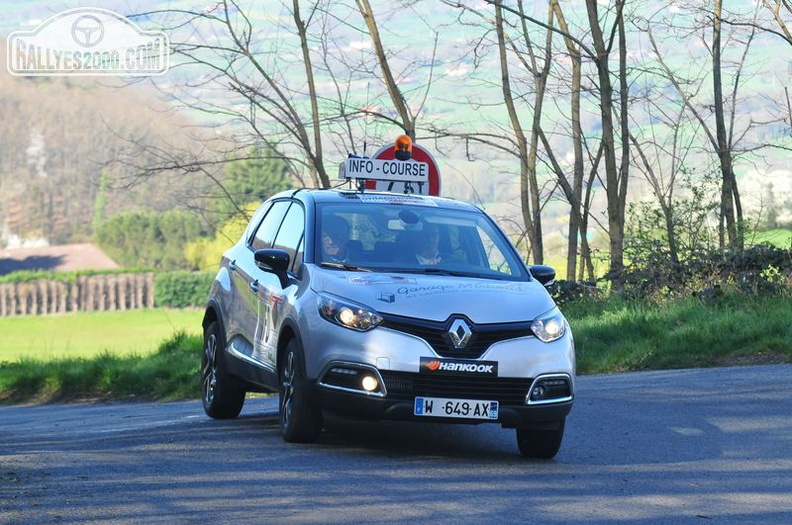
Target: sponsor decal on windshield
(410,292)
(368,280)
(396,199)
(438,366)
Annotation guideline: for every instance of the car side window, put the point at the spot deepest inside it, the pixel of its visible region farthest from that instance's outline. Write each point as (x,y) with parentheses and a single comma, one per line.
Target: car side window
(255,220)
(265,233)
(291,232)
(296,264)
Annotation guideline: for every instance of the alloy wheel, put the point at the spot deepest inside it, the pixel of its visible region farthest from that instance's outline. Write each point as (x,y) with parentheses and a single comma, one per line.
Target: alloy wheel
(209,371)
(287,389)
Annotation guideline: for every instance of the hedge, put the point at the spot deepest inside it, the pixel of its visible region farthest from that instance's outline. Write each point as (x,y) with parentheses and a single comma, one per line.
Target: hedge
(176,289)
(182,289)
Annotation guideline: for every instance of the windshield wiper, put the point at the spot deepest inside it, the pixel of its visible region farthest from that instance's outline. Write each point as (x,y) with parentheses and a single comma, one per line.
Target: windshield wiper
(455,273)
(435,271)
(443,271)
(341,266)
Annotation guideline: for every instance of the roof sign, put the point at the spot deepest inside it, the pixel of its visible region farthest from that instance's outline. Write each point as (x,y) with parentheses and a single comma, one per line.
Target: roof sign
(400,167)
(388,170)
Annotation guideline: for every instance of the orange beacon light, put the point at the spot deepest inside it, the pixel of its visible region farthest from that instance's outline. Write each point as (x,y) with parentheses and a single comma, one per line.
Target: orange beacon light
(403,148)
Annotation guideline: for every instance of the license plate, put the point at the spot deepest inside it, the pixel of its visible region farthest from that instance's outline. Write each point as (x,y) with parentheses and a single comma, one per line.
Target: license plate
(456,408)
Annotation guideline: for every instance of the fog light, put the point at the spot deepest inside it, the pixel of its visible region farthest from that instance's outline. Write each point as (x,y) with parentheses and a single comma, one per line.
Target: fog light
(538,392)
(369,383)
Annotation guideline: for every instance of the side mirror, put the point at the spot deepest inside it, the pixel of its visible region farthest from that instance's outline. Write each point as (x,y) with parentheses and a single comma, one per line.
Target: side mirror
(273,261)
(543,274)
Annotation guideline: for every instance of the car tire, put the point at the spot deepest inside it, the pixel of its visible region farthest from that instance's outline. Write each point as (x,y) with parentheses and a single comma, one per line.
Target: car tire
(300,421)
(541,443)
(222,396)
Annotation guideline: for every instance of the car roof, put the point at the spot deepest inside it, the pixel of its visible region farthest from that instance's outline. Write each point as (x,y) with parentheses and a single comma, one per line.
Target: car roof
(345,195)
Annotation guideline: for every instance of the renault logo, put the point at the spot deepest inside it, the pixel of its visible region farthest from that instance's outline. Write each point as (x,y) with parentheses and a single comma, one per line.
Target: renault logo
(459,333)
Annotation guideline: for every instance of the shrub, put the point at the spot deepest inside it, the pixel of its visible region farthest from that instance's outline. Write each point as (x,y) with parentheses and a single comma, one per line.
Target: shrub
(758,271)
(149,239)
(205,253)
(565,292)
(181,289)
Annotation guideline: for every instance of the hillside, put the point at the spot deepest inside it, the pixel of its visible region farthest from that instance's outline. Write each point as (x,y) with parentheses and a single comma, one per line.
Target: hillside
(445,62)
(67,163)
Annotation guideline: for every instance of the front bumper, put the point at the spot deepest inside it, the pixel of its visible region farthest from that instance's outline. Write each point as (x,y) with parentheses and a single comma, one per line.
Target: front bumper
(397,399)
(337,359)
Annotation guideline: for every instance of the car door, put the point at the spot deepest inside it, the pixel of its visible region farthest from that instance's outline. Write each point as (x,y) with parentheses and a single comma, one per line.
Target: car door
(245,276)
(234,312)
(272,296)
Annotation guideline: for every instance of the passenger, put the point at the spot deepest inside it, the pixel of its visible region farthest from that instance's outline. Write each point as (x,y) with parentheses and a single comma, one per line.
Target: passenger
(335,236)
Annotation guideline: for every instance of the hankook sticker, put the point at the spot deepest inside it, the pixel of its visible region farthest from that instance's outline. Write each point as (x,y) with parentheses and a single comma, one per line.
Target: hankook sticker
(439,366)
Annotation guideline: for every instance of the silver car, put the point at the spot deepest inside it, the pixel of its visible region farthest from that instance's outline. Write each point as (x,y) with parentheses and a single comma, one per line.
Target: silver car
(387,306)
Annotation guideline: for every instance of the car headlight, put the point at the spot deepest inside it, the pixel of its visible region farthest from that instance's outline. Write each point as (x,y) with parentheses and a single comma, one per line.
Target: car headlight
(348,314)
(550,326)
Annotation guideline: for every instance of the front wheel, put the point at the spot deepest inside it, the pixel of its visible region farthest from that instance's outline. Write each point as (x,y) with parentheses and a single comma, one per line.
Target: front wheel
(542,442)
(300,421)
(222,397)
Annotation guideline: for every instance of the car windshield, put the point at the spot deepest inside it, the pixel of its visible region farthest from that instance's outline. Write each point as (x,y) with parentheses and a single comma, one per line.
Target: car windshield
(407,238)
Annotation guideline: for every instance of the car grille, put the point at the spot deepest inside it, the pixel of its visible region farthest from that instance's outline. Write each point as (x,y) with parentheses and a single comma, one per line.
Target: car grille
(436,334)
(406,385)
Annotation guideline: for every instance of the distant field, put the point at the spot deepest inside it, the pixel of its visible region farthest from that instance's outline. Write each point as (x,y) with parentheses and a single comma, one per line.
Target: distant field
(780,238)
(90,334)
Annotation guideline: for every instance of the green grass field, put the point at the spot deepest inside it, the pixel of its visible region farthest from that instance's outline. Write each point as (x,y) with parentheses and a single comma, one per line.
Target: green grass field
(86,335)
(780,238)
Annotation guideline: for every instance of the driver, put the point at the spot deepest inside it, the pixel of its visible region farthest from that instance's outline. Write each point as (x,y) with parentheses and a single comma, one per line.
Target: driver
(335,236)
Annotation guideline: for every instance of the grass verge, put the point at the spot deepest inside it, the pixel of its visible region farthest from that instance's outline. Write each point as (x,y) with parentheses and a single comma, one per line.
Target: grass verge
(170,373)
(683,334)
(610,336)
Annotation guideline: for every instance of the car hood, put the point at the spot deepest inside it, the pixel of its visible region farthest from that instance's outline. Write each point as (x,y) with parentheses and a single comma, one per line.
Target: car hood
(436,297)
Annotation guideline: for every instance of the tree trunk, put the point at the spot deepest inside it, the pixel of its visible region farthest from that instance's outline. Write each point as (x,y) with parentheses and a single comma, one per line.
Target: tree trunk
(729,194)
(615,213)
(576,223)
(541,77)
(408,122)
(318,163)
(533,230)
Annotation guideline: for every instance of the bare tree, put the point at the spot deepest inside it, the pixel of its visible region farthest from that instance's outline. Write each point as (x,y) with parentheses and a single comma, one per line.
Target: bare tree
(312,149)
(396,96)
(731,207)
(782,15)
(780,25)
(726,132)
(662,162)
(616,176)
(529,186)
(616,166)
(574,191)
(535,144)
(267,103)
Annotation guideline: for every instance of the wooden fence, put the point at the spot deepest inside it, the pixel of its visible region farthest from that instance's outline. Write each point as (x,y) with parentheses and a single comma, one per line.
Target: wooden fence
(90,293)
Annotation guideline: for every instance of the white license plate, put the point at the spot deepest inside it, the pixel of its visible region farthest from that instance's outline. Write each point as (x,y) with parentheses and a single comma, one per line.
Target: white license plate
(457,408)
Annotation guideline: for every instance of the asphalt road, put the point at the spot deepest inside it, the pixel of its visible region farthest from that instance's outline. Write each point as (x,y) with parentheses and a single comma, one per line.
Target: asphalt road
(690,446)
